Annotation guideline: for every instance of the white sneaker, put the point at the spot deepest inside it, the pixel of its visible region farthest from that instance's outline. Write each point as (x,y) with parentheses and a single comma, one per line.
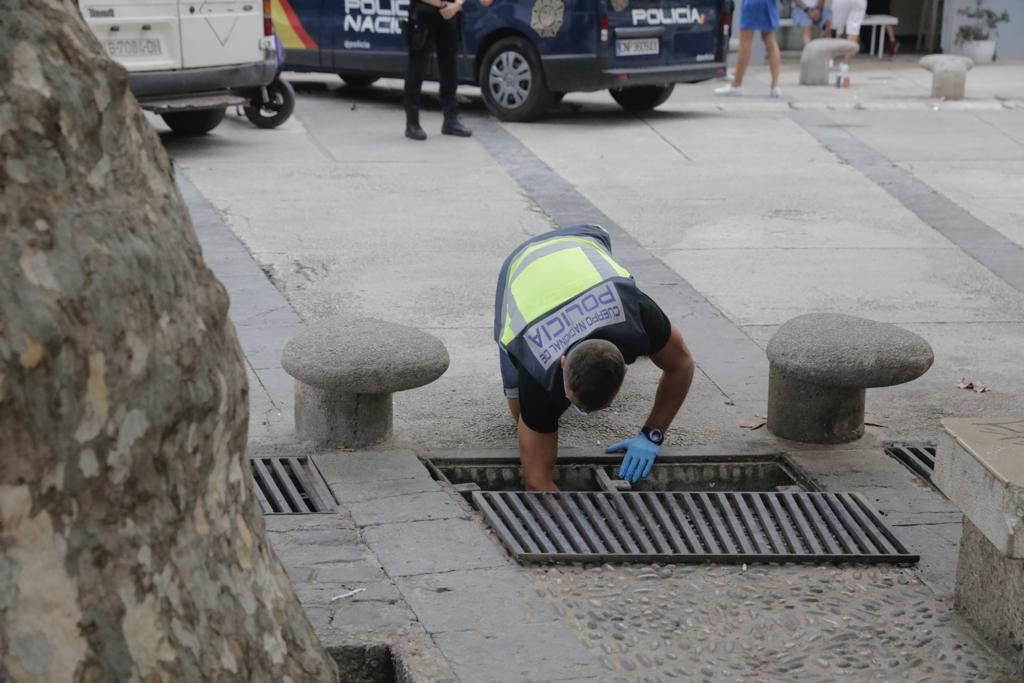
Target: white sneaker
(729,89)
(775,92)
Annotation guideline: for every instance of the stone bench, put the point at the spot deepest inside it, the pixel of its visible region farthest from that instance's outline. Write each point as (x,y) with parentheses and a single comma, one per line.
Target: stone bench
(815,57)
(979,465)
(820,365)
(346,371)
(949,74)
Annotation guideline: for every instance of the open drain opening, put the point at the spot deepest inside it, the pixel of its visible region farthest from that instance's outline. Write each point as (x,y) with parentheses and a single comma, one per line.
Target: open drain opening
(727,527)
(919,458)
(289,485)
(373,663)
(770,472)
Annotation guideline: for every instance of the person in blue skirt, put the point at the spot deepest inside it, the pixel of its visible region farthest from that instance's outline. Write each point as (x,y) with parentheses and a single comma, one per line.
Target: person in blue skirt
(761,16)
(808,14)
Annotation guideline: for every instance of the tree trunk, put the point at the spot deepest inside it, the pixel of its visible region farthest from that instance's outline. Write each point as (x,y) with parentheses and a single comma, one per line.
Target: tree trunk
(130,544)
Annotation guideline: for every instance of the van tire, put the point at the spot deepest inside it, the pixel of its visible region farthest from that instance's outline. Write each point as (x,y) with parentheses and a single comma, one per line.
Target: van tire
(356,81)
(516,56)
(642,97)
(275,112)
(195,122)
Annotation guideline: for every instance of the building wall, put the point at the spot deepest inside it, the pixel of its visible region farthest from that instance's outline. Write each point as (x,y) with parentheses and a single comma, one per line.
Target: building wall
(1011,35)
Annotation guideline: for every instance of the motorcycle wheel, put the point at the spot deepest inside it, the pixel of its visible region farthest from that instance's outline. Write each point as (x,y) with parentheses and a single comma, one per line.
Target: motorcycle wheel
(278,107)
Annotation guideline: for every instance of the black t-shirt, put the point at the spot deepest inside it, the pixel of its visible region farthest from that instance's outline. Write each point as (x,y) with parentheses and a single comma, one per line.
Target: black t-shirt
(541,409)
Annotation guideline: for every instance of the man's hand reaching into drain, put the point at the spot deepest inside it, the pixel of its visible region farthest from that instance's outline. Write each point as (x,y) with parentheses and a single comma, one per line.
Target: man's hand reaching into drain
(677,372)
(640,454)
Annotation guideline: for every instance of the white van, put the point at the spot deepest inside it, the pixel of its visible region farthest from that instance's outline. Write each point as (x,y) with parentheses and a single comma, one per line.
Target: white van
(188,60)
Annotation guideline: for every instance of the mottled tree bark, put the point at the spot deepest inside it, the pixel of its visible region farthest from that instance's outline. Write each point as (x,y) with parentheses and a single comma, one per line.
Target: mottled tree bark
(130,545)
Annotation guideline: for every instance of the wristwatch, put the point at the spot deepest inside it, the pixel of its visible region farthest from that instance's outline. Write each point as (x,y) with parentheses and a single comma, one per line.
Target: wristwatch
(655,435)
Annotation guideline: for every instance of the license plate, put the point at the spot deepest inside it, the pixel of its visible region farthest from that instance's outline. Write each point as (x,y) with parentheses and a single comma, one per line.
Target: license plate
(636,46)
(133,47)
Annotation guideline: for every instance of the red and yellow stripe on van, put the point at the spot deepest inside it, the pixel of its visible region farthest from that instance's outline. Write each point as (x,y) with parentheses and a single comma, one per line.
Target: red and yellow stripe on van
(289,28)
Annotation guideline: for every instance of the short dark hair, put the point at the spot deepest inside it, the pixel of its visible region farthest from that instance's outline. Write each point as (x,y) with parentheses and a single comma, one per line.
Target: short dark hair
(594,370)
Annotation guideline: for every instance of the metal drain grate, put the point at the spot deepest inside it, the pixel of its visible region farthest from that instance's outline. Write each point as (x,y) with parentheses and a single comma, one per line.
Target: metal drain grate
(290,486)
(690,527)
(919,458)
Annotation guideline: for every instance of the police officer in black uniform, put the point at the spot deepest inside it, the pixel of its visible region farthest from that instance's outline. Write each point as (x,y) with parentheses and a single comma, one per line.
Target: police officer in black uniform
(434,24)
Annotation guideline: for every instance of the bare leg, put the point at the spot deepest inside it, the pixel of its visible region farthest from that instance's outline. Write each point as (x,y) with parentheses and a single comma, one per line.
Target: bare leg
(774,56)
(853,39)
(805,34)
(746,42)
(894,45)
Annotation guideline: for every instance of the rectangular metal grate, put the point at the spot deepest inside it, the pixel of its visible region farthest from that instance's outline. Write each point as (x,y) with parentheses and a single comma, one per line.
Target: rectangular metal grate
(290,486)
(690,527)
(919,458)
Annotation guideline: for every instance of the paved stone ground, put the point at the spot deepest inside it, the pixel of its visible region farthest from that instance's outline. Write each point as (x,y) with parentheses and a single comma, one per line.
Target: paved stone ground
(736,214)
(766,623)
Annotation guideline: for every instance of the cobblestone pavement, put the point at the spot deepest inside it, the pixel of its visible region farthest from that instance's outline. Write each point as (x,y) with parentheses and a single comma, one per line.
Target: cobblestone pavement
(652,623)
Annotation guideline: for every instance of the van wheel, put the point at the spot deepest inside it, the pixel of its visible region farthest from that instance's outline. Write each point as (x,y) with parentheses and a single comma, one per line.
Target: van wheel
(643,97)
(196,122)
(278,107)
(355,81)
(512,81)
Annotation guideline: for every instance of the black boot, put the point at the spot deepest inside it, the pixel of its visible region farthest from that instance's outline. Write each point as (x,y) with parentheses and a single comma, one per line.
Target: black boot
(412,125)
(453,124)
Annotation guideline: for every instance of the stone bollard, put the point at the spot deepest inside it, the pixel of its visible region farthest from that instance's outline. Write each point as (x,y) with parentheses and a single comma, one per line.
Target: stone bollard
(345,372)
(815,56)
(980,467)
(820,365)
(949,74)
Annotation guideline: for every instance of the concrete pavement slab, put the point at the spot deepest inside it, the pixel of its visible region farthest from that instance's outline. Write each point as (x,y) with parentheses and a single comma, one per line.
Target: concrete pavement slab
(368,616)
(239,140)
(413,507)
(435,546)
(486,599)
(264,416)
(350,493)
(314,593)
(1010,123)
(356,572)
(989,247)
(313,547)
(990,190)
(937,542)
(280,387)
(899,135)
(890,285)
(517,653)
(370,467)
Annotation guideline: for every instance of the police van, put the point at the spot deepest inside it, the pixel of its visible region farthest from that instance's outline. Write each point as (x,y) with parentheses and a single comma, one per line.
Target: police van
(523,54)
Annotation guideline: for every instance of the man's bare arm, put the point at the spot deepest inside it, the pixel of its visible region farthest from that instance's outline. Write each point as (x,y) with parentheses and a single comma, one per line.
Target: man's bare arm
(677,367)
(537,453)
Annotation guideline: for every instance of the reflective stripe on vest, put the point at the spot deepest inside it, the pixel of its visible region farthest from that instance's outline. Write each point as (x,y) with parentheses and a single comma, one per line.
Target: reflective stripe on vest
(549,273)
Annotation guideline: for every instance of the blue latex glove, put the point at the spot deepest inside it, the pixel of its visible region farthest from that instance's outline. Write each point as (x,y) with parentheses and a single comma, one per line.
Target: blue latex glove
(640,455)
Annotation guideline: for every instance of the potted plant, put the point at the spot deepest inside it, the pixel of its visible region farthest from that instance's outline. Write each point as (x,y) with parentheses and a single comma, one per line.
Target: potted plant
(974,39)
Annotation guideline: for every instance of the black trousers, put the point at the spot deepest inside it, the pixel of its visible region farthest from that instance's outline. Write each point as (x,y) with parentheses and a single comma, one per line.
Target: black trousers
(432,33)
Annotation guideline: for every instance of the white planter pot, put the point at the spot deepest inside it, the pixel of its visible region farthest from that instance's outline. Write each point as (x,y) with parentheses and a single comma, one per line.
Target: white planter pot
(981,51)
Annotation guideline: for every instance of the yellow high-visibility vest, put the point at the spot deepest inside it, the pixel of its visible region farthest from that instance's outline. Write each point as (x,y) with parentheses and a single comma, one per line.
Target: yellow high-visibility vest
(558,290)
